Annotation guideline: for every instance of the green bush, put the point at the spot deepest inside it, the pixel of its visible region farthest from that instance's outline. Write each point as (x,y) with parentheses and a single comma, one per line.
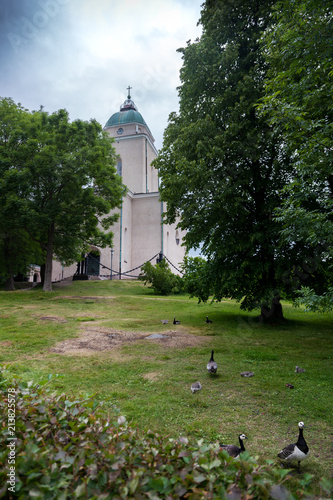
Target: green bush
(70,449)
(197,281)
(161,278)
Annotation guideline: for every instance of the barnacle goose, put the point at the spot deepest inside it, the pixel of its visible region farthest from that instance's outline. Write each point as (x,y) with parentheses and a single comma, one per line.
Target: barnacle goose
(212,365)
(233,450)
(175,321)
(196,386)
(297,451)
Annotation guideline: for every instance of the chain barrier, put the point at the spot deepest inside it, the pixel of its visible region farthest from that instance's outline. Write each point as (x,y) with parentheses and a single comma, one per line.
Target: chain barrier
(125,273)
(171,264)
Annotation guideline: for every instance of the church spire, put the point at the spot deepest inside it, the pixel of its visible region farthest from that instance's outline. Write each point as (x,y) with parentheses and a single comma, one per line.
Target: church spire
(128,103)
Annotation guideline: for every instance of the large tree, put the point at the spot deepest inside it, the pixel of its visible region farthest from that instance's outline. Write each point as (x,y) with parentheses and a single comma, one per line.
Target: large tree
(17,249)
(299,101)
(222,166)
(71,185)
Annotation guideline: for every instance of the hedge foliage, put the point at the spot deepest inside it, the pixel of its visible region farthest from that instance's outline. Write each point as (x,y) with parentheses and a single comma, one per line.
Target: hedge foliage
(161,278)
(68,449)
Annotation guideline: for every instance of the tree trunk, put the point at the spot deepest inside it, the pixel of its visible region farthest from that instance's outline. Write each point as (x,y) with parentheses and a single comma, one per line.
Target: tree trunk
(42,273)
(9,284)
(47,287)
(274,314)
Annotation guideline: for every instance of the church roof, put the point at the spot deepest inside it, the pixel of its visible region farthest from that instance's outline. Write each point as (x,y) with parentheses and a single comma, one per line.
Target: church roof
(125,116)
(128,114)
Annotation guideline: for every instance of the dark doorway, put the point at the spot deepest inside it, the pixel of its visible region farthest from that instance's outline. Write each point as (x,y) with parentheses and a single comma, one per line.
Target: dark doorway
(93,259)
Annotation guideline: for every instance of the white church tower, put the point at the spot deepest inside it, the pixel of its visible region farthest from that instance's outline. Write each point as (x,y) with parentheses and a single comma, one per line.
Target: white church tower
(139,235)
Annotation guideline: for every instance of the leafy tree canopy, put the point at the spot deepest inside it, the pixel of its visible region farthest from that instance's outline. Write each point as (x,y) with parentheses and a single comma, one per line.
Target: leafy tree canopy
(223,166)
(298,100)
(67,182)
(17,249)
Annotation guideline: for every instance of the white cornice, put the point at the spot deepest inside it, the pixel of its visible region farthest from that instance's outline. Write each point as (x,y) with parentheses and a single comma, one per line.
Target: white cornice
(137,136)
(154,194)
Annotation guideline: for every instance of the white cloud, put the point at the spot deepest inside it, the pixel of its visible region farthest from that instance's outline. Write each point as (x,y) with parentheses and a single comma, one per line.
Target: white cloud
(82,54)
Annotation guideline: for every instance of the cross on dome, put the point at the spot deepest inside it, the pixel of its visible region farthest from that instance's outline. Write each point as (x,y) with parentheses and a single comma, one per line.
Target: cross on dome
(128,103)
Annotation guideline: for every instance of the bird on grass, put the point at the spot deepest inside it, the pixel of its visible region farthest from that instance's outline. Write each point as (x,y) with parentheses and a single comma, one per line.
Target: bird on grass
(208,320)
(212,365)
(298,369)
(195,387)
(175,321)
(297,451)
(233,450)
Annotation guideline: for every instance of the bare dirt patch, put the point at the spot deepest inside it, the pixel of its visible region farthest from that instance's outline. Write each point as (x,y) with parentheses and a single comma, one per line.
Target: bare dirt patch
(6,343)
(92,340)
(84,297)
(57,319)
(152,376)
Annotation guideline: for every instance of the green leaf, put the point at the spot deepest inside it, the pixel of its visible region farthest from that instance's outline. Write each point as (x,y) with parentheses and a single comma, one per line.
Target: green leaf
(80,490)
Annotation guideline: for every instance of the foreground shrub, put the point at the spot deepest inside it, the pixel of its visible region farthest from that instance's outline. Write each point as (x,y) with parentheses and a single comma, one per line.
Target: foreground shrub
(161,278)
(70,449)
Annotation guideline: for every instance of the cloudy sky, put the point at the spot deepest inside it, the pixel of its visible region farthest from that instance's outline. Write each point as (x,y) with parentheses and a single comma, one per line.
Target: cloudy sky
(82,54)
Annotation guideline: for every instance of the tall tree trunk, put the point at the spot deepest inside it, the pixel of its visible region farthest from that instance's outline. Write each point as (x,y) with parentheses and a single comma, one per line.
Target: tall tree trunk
(274,314)
(42,273)
(47,287)
(9,284)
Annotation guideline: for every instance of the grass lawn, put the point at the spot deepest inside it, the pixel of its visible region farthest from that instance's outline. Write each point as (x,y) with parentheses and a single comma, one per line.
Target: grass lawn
(93,334)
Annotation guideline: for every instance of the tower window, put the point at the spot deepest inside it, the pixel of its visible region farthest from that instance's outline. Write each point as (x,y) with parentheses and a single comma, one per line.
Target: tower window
(119,167)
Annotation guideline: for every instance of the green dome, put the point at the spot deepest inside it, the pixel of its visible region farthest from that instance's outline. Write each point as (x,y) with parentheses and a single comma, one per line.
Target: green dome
(122,117)
(128,114)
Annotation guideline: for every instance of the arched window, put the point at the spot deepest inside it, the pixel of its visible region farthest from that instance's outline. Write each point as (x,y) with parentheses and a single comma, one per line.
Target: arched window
(119,167)
(177,238)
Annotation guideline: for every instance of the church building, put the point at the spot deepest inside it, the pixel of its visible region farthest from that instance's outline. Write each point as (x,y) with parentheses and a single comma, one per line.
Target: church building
(139,235)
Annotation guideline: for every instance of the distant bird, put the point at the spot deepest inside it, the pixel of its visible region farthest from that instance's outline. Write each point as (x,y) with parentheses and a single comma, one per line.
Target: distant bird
(297,451)
(208,320)
(232,449)
(165,321)
(247,374)
(175,321)
(212,365)
(196,386)
(298,369)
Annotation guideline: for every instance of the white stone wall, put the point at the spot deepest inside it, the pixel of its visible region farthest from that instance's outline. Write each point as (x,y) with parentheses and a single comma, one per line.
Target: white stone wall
(60,272)
(139,234)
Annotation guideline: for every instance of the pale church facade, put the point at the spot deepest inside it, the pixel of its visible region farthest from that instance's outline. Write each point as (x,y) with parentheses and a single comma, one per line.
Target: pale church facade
(139,235)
